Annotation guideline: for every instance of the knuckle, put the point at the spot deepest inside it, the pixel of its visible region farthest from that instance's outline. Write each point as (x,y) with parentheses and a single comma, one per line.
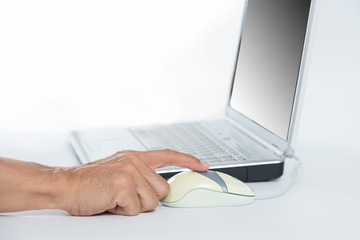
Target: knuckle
(128,166)
(163,191)
(124,153)
(122,181)
(168,151)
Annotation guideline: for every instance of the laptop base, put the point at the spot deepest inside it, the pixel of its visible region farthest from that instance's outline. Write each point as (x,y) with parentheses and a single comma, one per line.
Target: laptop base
(248,173)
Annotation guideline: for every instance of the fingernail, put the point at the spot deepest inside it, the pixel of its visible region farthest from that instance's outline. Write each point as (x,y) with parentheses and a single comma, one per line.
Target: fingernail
(205,164)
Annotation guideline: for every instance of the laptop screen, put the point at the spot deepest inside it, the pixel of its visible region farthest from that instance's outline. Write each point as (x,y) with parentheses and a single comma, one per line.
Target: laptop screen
(268,62)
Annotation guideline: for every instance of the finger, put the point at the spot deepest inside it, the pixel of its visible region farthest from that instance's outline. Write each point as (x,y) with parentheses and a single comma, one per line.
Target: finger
(128,202)
(147,193)
(134,167)
(158,184)
(163,158)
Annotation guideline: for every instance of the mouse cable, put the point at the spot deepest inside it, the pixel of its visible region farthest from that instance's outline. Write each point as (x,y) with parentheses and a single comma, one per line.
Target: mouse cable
(292,181)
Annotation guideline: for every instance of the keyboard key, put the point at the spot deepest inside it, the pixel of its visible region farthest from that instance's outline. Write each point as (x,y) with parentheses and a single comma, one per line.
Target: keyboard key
(214,161)
(190,139)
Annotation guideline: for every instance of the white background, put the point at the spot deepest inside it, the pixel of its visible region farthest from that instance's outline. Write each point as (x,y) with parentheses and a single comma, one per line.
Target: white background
(68,65)
(77,64)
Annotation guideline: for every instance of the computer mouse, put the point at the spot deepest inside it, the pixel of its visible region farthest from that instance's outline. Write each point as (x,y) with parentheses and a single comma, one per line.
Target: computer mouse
(206,189)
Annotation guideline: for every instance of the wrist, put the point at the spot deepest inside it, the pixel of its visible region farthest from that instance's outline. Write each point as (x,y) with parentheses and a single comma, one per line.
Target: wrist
(46,188)
(59,189)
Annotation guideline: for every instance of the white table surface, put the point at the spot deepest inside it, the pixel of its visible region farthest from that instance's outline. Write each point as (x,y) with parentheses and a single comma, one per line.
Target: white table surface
(323,204)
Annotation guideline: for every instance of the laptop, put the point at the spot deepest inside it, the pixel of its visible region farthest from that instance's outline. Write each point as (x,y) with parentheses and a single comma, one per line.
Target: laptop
(253,139)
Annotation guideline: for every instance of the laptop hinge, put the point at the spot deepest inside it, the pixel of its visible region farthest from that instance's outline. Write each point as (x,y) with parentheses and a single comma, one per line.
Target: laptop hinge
(257,139)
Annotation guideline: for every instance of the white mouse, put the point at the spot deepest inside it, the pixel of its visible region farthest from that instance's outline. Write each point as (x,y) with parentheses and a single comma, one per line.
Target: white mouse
(207,189)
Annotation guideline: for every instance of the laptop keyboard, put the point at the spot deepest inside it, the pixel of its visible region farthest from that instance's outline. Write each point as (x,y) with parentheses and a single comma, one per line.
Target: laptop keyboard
(188,138)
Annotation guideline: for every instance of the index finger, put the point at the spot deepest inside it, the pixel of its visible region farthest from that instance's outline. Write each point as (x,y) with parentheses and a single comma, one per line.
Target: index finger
(163,158)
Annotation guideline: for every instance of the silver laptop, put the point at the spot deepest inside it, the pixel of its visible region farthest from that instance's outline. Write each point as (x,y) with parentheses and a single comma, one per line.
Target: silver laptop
(254,138)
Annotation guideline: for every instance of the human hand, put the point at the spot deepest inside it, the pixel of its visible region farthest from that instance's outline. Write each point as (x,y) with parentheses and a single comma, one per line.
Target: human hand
(124,183)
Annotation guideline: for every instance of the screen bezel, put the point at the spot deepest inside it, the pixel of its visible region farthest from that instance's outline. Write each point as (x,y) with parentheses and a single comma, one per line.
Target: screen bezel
(252,127)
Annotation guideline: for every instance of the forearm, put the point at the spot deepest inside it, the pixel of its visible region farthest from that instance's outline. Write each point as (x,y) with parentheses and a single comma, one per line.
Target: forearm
(31,186)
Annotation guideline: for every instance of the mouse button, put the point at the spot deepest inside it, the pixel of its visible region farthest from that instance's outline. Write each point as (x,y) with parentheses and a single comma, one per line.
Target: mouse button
(236,186)
(216,178)
(185,182)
